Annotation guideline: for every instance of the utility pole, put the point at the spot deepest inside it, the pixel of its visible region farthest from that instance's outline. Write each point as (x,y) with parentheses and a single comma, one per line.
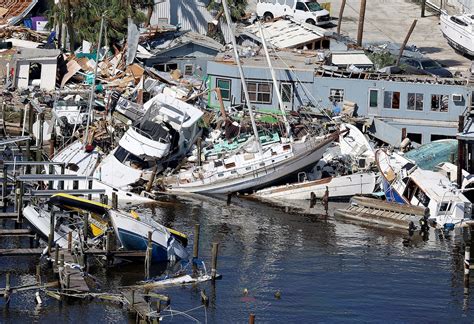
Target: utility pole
(341,13)
(360,31)
(406,41)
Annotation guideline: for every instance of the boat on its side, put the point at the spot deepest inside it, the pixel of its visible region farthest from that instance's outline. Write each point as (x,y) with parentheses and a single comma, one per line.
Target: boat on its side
(133,235)
(458,31)
(404,182)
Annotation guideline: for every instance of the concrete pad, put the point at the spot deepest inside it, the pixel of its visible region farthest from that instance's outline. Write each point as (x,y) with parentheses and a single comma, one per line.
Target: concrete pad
(390,20)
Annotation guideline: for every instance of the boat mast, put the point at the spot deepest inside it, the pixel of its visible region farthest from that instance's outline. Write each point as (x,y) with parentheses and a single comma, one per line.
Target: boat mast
(275,83)
(91,97)
(241,72)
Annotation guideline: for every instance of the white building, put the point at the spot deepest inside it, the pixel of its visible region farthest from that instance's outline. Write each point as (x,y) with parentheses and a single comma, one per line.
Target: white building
(36,67)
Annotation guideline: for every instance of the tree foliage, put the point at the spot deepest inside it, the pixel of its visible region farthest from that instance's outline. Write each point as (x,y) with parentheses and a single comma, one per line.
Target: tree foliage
(85,17)
(236,7)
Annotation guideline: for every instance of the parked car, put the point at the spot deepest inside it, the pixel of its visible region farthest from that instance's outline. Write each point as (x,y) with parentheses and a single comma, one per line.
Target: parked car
(425,66)
(308,11)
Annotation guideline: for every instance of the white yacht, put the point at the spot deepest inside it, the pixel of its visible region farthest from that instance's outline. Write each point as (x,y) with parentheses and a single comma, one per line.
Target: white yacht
(166,132)
(458,30)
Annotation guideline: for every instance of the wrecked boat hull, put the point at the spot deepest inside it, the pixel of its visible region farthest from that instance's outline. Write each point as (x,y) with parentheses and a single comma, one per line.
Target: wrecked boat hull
(342,187)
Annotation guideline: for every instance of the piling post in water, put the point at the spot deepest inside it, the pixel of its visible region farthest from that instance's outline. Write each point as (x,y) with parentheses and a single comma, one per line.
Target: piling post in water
(38,274)
(149,255)
(21,192)
(325,200)
(7,287)
(229,199)
(252,319)
(196,247)
(56,256)
(51,231)
(467,264)
(215,250)
(4,187)
(114,200)
(51,172)
(108,245)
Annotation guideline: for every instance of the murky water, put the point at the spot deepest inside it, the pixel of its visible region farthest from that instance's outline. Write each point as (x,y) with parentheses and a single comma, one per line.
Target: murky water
(325,269)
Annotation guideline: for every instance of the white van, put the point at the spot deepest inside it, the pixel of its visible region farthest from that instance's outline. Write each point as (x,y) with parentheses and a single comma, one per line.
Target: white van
(308,11)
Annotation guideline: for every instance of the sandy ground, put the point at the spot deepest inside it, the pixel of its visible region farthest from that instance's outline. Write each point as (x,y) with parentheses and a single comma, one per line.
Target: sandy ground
(391,20)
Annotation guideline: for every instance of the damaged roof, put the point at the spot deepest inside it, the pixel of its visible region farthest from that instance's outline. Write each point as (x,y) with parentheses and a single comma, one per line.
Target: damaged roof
(174,40)
(37,53)
(286,33)
(13,11)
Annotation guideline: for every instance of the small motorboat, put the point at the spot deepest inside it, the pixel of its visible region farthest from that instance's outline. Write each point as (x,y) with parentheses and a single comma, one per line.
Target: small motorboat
(132,233)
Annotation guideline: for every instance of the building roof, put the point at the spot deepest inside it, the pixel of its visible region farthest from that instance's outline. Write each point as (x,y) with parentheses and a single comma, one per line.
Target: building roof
(173,40)
(287,33)
(13,11)
(356,58)
(37,53)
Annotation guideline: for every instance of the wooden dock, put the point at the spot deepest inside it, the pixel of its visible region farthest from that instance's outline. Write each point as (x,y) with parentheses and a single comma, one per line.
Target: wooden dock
(70,275)
(381,213)
(139,305)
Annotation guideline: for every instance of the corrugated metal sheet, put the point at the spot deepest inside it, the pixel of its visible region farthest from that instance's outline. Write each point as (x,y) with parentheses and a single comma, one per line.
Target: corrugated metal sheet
(189,14)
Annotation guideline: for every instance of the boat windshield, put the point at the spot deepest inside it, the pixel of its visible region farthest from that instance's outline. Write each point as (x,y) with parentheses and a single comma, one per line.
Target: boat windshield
(129,159)
(459,21)
(314,6)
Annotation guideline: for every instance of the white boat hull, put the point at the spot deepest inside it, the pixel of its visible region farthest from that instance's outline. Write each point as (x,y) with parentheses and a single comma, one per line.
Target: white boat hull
(338,187)
(40,220)
(254,179)
(458,36)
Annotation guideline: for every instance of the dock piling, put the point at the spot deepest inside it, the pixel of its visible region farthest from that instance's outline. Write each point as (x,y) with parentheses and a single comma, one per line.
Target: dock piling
(149,255)
(196,247)
(252,319)
(38,274)
(21,192)
(467,262)
(51,231)
(4,187)
(56,256)
(69,242)
(114,200)
(215,250)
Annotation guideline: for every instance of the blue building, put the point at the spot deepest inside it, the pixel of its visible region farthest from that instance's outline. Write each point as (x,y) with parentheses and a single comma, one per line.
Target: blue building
(425,107)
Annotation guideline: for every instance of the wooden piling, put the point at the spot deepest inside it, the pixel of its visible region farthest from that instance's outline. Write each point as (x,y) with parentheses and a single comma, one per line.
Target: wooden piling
(114,200)
(39,150)
(467,263)
(423,8)
(152,178)
(61,260)
(51,231)
(215,250)
(229,199)
(21,192)
(56,256)
(5,187)
(52,144)
(461,157)
(7,285)
(252,319)
(69,242)
(104,199)
(149,255)
(38,274)
(196,247)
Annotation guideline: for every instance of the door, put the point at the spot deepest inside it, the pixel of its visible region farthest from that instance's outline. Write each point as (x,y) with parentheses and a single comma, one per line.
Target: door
(373,102)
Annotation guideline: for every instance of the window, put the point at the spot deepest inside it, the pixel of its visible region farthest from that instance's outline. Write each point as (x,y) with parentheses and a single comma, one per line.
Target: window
(188,69)
(286,90)
(415,101)
(166,67)
(373,98)
(224,85)
(162,21)
(301,6)
(436,137)
(439,103)
(415,137)
(336,95)
(258,92)
(391,99)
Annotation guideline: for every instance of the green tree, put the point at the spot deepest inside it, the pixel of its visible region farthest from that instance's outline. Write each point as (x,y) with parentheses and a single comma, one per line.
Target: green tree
(237,7)
(83,18)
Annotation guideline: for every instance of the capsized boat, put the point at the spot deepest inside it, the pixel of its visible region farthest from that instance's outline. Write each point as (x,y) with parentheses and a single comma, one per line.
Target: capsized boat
(404,182)
(133,235)
(430,155)
(458,31)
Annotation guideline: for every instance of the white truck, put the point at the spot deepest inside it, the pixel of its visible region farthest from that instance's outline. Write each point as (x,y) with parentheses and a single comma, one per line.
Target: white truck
(308,11)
